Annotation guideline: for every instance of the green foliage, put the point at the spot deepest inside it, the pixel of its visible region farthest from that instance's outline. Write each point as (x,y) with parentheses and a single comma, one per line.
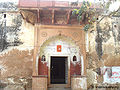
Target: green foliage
(85,14)
(108,4)
(87,26)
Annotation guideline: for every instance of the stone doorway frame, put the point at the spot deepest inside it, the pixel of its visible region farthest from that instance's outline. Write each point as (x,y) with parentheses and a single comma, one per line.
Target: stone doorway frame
(49,62)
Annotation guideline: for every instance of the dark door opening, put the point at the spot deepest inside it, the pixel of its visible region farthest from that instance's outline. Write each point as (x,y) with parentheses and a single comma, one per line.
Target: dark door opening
(58,74)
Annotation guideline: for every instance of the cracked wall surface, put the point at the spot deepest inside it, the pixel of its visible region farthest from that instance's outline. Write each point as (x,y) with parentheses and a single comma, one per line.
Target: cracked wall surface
(16,54)
(16,48)
(104,46)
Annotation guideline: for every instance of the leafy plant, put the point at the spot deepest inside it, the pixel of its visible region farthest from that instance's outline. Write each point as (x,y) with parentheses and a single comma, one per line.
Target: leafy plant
(85,15)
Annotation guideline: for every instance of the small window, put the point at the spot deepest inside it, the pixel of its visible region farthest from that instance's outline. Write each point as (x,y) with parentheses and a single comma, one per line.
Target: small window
(43,58)
(4,15)
(74,58)
(115,26)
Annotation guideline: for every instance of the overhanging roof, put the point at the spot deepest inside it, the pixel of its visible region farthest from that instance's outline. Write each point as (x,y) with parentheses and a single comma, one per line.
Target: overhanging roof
(49,11)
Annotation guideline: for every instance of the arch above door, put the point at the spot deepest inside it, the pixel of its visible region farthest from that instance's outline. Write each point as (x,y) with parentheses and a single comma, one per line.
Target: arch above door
(59,46)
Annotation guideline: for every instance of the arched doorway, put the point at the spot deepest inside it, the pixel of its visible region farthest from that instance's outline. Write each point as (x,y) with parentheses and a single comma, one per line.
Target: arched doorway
(59,59)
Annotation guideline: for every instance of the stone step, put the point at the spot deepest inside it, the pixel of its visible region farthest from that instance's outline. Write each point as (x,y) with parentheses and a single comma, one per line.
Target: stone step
(59,88)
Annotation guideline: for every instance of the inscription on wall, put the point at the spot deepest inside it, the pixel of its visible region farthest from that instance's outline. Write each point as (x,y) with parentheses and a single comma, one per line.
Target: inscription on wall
(115,75)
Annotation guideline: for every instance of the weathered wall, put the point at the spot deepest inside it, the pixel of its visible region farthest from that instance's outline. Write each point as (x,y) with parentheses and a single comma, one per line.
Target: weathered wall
(16,54)
(16,47)
(103,47)
(78,83)
(109,38)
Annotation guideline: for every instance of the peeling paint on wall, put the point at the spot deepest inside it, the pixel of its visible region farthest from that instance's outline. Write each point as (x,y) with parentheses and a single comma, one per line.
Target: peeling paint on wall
(16,49)
(108,41)
(91,77)
(9,30)
(14,31)
(79,83)
(108,49)
(12,62)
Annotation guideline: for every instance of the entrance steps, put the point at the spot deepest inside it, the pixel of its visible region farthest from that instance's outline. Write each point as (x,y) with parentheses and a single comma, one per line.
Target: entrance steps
(59,88)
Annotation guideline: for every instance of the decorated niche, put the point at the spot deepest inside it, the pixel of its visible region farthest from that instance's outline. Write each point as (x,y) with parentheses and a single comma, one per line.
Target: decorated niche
(59,46)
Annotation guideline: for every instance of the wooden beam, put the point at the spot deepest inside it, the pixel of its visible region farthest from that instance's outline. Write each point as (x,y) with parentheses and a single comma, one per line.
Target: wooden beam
(68,16)
(38,16)
(53,16)
(22,15)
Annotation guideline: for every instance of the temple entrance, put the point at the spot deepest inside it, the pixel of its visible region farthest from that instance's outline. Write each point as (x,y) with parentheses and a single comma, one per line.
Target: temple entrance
(58,70)
(56,61)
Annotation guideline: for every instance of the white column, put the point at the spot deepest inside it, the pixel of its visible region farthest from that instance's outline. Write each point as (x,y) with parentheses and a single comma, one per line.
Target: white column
(87,42)
(82,66)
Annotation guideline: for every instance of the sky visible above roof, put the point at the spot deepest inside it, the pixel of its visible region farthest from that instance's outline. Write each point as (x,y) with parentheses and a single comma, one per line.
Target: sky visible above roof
(15,1)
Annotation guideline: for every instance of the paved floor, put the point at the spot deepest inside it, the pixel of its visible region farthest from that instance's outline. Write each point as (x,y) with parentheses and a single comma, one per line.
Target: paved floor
(59,88)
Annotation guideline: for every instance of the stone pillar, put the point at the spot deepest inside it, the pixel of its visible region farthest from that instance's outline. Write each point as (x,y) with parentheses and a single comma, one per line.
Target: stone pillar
(35,64)
(39,83)
(78,83)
